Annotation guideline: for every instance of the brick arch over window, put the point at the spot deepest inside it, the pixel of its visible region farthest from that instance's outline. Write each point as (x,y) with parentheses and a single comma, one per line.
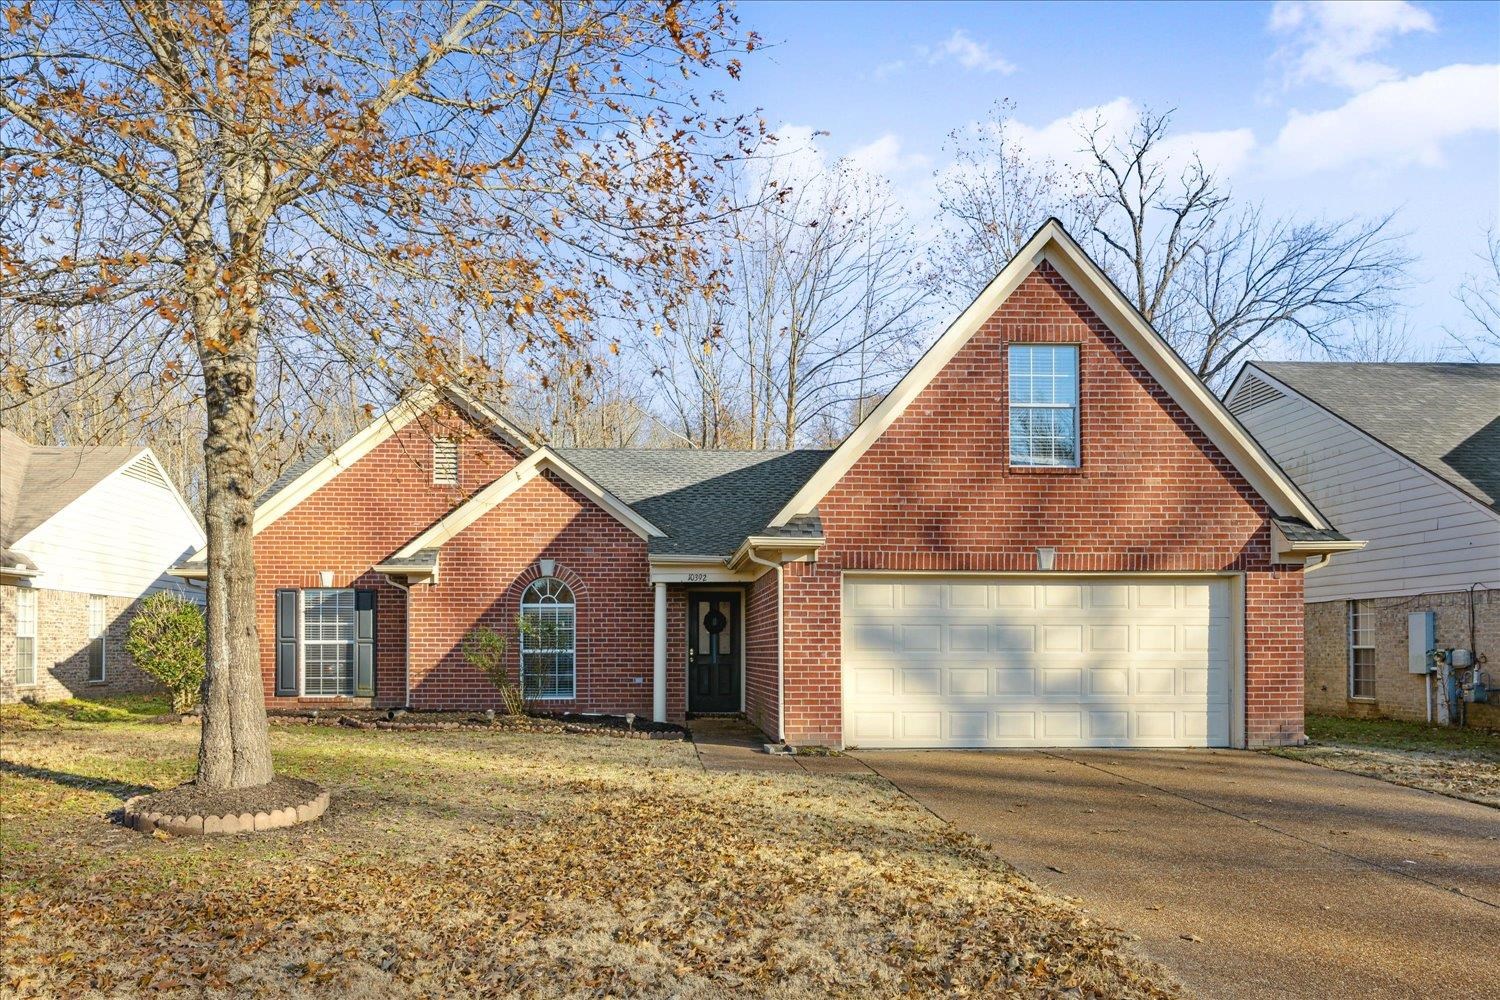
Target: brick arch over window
(583,637)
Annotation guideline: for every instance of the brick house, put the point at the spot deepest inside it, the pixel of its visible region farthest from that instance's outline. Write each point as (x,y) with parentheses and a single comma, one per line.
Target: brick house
(1406,456)
(85,534)
(1049,532)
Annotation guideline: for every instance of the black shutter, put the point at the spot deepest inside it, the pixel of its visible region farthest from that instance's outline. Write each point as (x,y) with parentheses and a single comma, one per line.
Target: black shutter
(288,627)
(364,643)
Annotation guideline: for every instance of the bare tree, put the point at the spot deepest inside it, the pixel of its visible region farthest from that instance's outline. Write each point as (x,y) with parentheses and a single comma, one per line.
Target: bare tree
(1217,280)
(829,283)
(991,199)
(1480,296)
(345,186)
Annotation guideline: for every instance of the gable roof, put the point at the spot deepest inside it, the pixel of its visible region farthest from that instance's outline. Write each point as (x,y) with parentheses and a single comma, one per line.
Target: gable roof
(706,503)
(1444,418)
(544,459)
(38,481)
(1053,244)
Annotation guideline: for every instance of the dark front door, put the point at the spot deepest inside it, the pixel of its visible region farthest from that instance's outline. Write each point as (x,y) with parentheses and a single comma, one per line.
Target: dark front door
(713,652)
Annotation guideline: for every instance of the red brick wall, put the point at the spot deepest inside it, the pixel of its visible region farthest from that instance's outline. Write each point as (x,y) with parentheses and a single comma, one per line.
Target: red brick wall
(935,492)
(360,517)
(761,692)
(484,571)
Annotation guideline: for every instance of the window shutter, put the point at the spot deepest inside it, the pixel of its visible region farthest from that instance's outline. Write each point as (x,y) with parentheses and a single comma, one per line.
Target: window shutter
(364,643)
(287,629)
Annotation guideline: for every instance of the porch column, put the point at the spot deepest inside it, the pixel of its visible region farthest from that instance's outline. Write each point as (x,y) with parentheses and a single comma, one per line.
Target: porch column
(659,658)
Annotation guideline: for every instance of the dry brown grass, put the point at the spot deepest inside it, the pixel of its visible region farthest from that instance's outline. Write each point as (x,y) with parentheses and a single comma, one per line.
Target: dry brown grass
(477,863)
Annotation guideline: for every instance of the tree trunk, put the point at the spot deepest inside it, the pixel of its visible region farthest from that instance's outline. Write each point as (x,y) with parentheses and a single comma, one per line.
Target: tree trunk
(235,751)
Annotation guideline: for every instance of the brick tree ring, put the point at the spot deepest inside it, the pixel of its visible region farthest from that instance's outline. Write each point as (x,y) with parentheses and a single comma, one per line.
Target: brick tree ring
(276,805)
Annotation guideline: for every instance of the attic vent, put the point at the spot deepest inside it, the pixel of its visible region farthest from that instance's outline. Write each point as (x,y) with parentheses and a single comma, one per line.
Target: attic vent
(1252,394)
(445,463)
(146,471)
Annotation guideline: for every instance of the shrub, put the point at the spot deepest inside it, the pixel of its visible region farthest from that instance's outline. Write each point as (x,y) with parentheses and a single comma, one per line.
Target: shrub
(166,640)
(485,650)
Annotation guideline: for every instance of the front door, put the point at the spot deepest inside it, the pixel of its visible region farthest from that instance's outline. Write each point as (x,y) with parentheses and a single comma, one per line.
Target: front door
(713,652)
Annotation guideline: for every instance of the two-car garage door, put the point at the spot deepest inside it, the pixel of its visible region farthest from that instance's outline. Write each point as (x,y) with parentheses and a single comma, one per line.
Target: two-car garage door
(1022,661)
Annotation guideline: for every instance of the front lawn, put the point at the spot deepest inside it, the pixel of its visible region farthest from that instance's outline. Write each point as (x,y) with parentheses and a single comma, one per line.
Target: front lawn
(534,864)
(1464,763)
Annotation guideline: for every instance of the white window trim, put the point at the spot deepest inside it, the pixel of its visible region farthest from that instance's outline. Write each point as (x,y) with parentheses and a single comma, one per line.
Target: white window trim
(302,647)
(521,645)
(1350,608)
(97,600)
(1075,406)
(28,596)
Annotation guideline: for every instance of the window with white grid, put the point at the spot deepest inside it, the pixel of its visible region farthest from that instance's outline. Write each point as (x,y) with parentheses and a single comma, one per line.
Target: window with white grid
(327,643)
(1043,405)
(548,640)
(25,638)
(445,462)
(97,629)
(1361,649)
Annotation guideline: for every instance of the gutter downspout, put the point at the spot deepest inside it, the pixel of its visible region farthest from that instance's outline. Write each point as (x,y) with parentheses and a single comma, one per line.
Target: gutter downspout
(780,640)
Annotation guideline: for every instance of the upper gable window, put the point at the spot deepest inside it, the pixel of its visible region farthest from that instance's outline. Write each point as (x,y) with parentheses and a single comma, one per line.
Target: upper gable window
(445,462)
(1044,405)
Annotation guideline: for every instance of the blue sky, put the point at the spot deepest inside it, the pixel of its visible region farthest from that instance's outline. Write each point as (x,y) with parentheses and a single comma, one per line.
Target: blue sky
(1312,109)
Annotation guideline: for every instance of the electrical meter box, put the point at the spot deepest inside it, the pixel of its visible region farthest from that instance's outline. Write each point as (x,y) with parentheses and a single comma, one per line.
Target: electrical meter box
(1421,636)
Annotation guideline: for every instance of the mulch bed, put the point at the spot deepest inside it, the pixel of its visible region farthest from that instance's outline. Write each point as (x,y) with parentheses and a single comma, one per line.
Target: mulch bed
(569,722)
(190,800)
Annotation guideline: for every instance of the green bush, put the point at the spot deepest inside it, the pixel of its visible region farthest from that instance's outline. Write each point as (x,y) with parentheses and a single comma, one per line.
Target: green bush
(167,641)
(485,649)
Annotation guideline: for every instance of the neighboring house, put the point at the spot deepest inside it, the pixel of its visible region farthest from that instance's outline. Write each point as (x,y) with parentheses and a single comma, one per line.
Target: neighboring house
(1406,456)
(1048,533)
(85,533)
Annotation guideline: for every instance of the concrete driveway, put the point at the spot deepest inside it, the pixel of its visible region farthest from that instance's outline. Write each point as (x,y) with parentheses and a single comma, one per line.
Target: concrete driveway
(1247,875)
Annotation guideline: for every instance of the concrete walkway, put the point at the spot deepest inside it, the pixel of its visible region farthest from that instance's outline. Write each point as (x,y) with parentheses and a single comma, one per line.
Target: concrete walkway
(1247,875)
(730,744)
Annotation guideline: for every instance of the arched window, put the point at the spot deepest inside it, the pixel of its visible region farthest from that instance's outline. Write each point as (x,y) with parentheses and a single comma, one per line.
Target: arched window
(548,640)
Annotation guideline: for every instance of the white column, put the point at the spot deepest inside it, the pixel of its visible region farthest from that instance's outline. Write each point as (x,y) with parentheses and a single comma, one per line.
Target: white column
(659,658)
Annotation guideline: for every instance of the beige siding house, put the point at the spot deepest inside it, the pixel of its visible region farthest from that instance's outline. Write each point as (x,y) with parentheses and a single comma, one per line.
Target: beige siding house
(85,534)
(1406,456)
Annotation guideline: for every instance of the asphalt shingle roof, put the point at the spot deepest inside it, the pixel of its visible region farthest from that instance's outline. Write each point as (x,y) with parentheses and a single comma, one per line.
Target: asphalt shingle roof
(1443,417)
(707,502)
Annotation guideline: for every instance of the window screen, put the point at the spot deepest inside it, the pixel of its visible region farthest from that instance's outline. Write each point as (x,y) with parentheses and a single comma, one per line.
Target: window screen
(1043,405)
(97,629)
(327,643)
(1361,649)
(25,638)
(548,640)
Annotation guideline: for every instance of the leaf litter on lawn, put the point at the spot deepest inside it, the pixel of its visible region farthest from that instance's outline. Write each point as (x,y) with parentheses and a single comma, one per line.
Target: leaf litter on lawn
(543,865)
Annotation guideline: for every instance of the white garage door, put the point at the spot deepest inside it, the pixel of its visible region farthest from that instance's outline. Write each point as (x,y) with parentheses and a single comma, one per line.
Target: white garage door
(1018,662)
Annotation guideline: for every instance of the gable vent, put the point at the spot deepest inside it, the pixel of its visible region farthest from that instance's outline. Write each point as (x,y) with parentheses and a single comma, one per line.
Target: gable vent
(146,471)
(445,463)
(1254,393)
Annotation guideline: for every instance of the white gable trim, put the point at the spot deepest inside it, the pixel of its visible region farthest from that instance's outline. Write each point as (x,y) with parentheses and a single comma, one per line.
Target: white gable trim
(1387,449)
(487,499)
(1053,244)
(146,453)
(380,430)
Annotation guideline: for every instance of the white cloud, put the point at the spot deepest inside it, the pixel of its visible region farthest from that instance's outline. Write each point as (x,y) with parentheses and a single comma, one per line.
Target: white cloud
(885,157)
(888,69)
(1331,42)
(968,53)
(1395,124)
(1063,140)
